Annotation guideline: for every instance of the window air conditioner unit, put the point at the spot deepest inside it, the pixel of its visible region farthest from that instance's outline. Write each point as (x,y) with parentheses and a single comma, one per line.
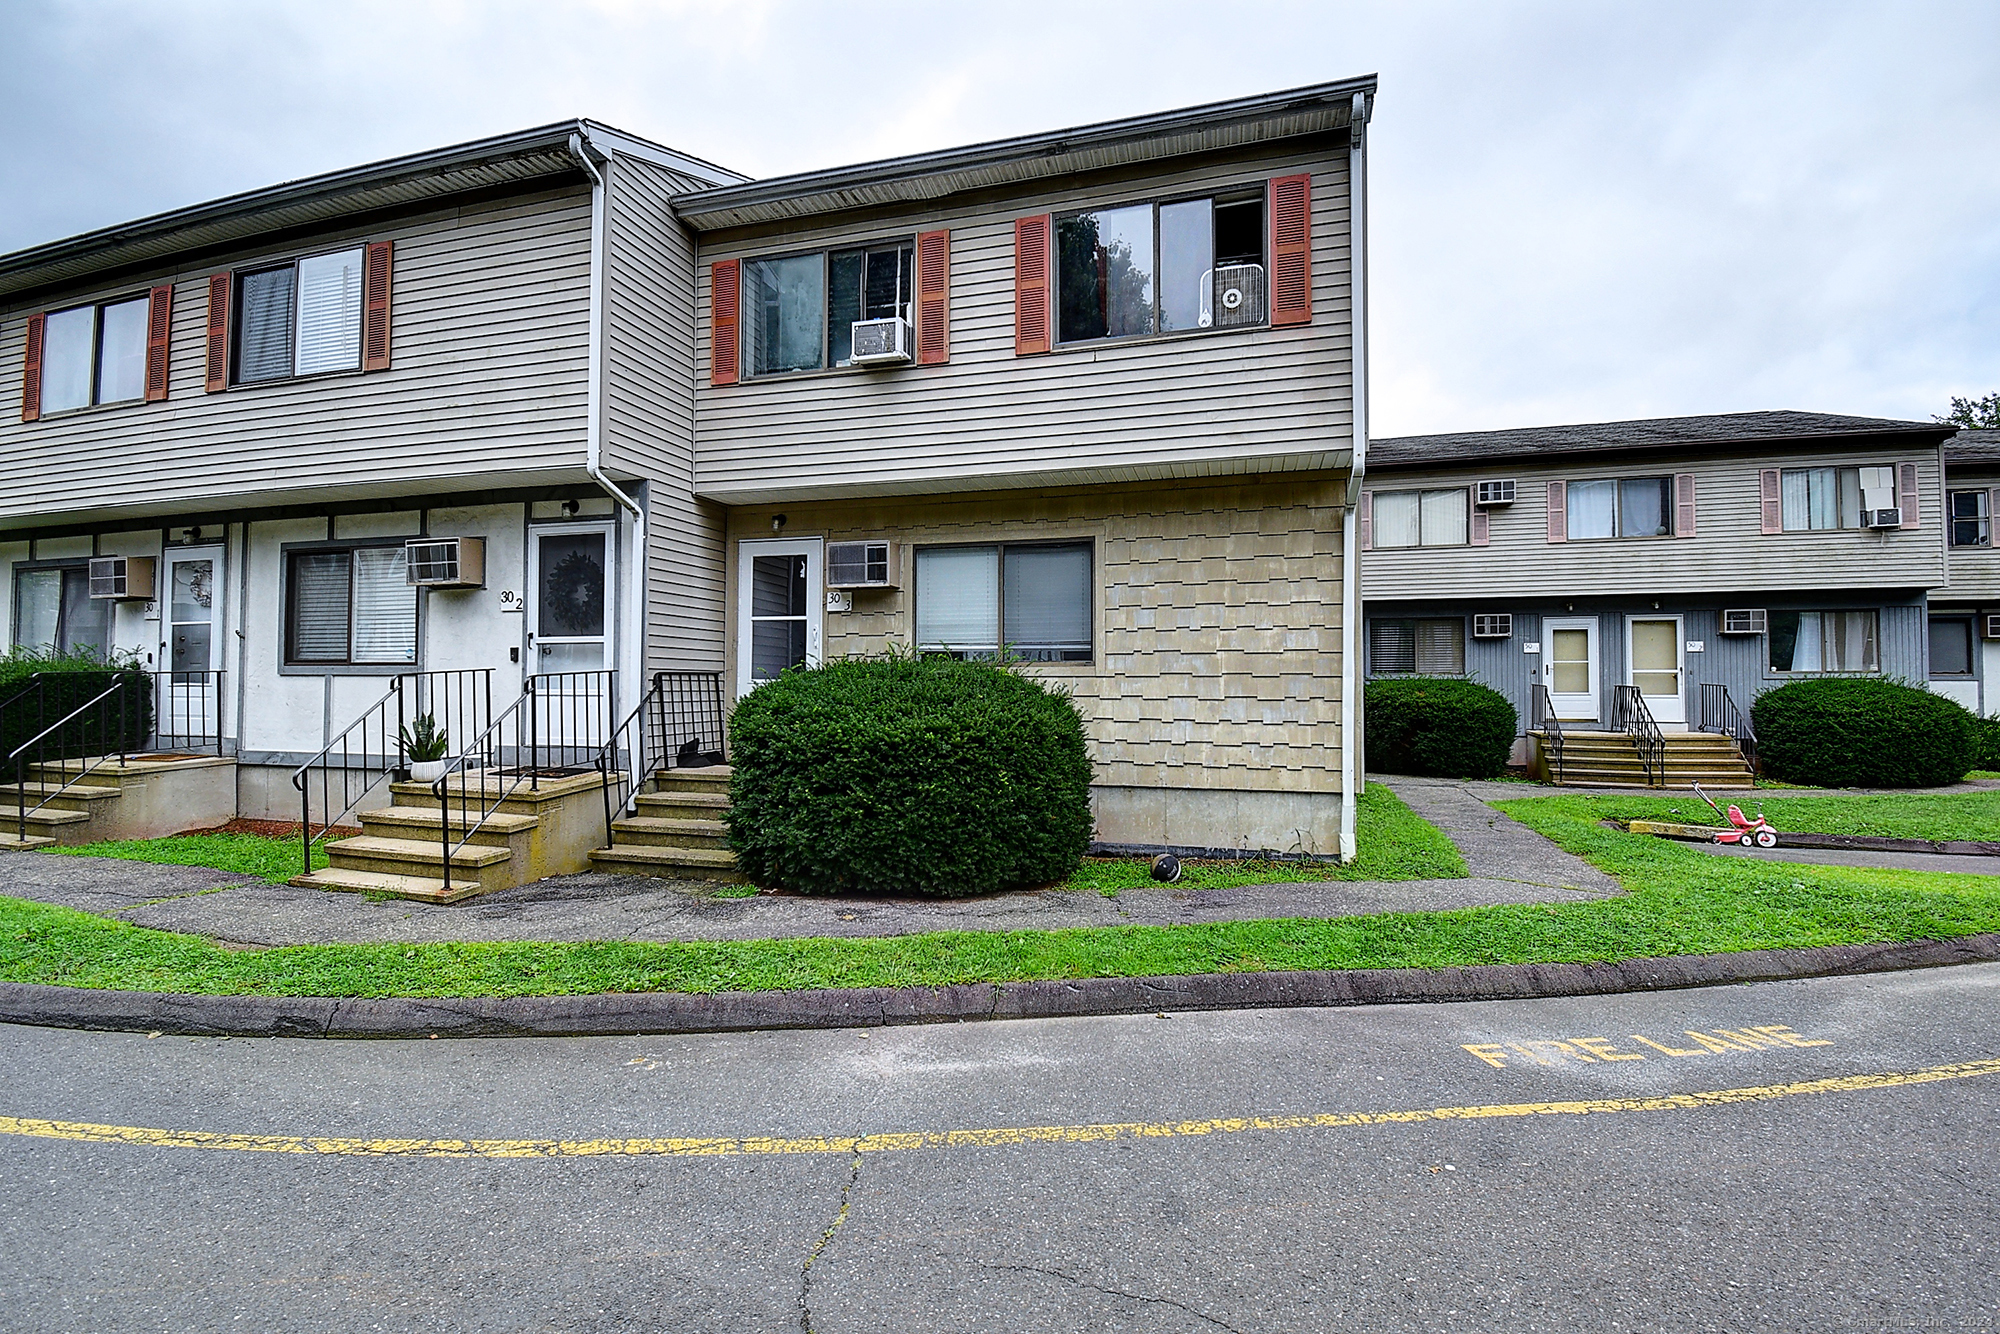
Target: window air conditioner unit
(881,342)
(445,562)
(1889,518)
(1992,625)
(1496,625)
(1239,297)
(1743,621)
(861,565)
(1495,493)
(122,578)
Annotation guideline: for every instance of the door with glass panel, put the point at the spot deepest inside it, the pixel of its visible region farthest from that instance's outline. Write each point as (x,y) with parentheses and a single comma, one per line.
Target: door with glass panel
(191,635)
(569,639)
(778,610)
(1653,663)
(1569,666)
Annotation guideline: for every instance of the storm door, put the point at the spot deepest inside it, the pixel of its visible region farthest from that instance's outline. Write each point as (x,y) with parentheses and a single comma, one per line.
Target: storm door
(1653,652)
(1569,666)
(191,631)
(778,609)
(569,617)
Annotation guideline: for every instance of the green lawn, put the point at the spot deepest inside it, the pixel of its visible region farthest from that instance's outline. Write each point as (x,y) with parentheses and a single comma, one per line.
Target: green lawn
(1967,815)
(273,859)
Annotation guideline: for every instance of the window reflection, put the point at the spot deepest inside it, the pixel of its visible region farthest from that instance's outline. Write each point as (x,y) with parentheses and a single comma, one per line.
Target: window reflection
(1105,273)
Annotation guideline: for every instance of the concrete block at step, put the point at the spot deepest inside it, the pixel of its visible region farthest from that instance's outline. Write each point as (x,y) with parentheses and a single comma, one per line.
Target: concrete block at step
(670,863)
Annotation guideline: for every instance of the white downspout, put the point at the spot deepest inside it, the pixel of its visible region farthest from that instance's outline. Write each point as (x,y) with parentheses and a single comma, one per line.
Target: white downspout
(1351,740)
(632,639)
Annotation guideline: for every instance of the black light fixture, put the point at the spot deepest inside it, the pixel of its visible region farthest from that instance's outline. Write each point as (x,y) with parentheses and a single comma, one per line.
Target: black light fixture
(572,507)
(777,523)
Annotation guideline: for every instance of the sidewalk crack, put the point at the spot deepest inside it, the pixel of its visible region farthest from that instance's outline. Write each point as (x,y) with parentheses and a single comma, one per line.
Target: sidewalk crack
(825,1240)
(1117,1292)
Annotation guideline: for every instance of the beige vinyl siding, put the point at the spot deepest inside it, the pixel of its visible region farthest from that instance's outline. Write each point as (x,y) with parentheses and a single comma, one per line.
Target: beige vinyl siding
(1203,403)
(649,412)
(487,383)
(1729,552)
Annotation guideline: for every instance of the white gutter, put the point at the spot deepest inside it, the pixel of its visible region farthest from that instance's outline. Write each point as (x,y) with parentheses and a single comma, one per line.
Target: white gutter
(1351,767)
(633,635)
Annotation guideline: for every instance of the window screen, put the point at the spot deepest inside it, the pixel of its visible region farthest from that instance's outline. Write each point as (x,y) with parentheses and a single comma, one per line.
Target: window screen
(784,303)
(319,605)
(329,317)
(1971,524)
(958,600)
(1431,647)
(264,325)
(385,607)
(121,364)
(1046,593)
(67,339)
(1951,647)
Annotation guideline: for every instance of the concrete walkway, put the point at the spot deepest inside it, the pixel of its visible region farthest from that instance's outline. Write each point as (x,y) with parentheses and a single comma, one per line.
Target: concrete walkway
(1509,864)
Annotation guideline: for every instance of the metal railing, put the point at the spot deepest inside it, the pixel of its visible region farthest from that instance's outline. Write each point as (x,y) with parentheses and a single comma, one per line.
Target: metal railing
(557,728)
(187,710)
(1720,714)
(1630,715)
(370,749)
(1543,718)
(678,724)
(102,724)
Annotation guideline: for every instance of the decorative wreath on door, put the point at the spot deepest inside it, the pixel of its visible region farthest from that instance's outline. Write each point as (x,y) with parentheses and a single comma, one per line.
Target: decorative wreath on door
(573,595)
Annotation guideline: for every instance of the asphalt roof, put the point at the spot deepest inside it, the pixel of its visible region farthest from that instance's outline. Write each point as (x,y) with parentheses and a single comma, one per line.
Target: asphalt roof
(1973,447)
(1719,431)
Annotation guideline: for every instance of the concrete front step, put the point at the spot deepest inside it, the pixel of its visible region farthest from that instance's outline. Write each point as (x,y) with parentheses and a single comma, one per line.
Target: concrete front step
(477,866)
(417,823)
(674,863)
(683,805)
(714,778)
(479,788)
(665,832)
(13,842)
(421,889)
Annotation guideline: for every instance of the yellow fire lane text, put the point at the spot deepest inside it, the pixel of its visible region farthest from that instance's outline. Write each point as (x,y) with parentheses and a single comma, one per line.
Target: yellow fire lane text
(1639,1047)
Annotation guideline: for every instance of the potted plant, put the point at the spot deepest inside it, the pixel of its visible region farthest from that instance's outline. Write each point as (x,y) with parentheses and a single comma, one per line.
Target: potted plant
(425,746)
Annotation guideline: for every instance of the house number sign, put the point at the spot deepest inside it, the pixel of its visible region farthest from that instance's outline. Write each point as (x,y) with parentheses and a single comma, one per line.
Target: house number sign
(512,601)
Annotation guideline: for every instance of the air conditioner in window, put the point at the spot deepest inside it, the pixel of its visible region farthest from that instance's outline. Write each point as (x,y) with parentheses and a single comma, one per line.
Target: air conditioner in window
(1495,625)
(861,565)
(881,342)
(122,578)
(1992,625)
(1888,518)
(1495,493)
(1239,297)
(1743,621)
(445,562)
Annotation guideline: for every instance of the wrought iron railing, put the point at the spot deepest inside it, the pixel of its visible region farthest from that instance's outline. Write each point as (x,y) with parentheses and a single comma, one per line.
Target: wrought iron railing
(1543,719)
(1630,715)
(1720,714)
(370,749)
(187,710)
(678,724)
(91,735)
(557,728)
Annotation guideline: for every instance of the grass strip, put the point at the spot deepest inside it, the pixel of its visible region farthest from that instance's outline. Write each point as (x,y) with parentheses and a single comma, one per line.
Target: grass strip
(1962,815)
(273,859)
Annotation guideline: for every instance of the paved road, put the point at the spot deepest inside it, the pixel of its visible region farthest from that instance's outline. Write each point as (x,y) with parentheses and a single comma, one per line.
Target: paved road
(1822,1206)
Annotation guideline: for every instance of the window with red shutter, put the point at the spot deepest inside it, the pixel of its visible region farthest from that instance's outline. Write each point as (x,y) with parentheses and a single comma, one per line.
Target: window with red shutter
(159,343)
(933,298)
(724,311)
(1291,250)
(31,370)
(1031,285)
(375,290)
(216,356)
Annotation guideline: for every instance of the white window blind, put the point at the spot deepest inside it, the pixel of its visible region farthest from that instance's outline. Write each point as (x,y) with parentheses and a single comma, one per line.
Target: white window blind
(1444,518)
(1427,648)
(1395,518)
(66,349)
(264,326)
(958,598)
(1441,648)
(121,372)
(320,587)
(1593,509)
(385,607)
(1047,599)
(329,320)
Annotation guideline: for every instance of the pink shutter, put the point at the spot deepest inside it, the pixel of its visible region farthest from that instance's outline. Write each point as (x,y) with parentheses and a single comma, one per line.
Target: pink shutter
(1365,515)
(933,298)
(724,307)
(375,284)
(1993,518)
(1558,511)
(1906,493)
(1771,514)
(31,369)
(1291,250)
(1031,285)
(159,342)
(1683,504)
(216,356)
(1482,528)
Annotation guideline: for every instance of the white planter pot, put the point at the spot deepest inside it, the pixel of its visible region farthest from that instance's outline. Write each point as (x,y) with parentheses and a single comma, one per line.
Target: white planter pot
(428,771)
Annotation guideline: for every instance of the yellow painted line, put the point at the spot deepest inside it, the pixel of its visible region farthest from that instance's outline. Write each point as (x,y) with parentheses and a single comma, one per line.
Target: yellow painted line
(86,1132)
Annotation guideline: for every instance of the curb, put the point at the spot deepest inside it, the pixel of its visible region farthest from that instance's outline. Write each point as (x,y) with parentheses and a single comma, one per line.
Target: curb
(870,1007)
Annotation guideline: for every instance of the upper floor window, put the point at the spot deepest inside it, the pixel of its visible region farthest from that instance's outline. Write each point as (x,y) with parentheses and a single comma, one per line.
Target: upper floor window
(301,318)
(1418,518)
(799,311)
(1032,599)
(1160,268)
(1434,647)
(1971,519)
(1820,498)
(1621,507)
(1825,641)
(95,354)
(349,606)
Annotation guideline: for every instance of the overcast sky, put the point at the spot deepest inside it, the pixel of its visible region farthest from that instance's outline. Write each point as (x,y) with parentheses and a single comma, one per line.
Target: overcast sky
(1580,211)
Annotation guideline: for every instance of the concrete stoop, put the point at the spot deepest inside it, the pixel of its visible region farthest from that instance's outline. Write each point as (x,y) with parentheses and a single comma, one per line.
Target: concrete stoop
(676,830)
(549,829)
(1610,759)
(139,797)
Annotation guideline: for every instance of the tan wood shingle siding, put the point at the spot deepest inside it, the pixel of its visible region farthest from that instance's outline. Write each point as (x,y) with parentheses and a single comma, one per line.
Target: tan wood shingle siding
(489,321)
(1198,401)
(1728,552)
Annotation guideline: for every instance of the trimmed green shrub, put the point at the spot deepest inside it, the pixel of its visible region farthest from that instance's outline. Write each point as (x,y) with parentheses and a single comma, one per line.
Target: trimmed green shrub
(1863,732)
(905,775)
(1989,745)
(1443,726)
(68,681)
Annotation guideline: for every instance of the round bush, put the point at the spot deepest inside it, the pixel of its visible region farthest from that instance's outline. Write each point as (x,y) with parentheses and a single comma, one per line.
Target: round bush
(1863,732)
(1444,727)
(908,776)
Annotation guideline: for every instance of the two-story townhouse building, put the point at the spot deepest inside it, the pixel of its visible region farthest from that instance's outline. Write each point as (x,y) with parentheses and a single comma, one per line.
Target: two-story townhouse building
(1674,555)
(1965,613)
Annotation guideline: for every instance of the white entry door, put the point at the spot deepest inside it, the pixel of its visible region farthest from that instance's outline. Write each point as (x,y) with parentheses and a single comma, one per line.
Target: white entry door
(191,644)
(777,609)
(569,618)
(1569,666)
(1653,661)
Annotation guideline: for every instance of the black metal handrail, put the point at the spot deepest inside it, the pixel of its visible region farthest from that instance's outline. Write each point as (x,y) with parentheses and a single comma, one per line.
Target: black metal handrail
(190,698)
(1630,715)
(38,744)
(1542,710)
(1720,714)
(557,728)
(678,724)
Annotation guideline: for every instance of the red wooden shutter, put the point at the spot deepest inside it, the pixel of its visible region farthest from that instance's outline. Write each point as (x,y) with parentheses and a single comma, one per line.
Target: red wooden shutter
(1291,250)
(376,282)
(217,357)
(1558,511)
(1031,285)
(933,298)
(1771,512)
(1365,516)
(1482,528)
(159,342)
(1906,493)
(724,306)
(31,369)
(1683,504)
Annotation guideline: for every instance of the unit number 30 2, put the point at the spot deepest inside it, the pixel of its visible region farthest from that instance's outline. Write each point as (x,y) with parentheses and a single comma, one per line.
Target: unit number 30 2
(511,601)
